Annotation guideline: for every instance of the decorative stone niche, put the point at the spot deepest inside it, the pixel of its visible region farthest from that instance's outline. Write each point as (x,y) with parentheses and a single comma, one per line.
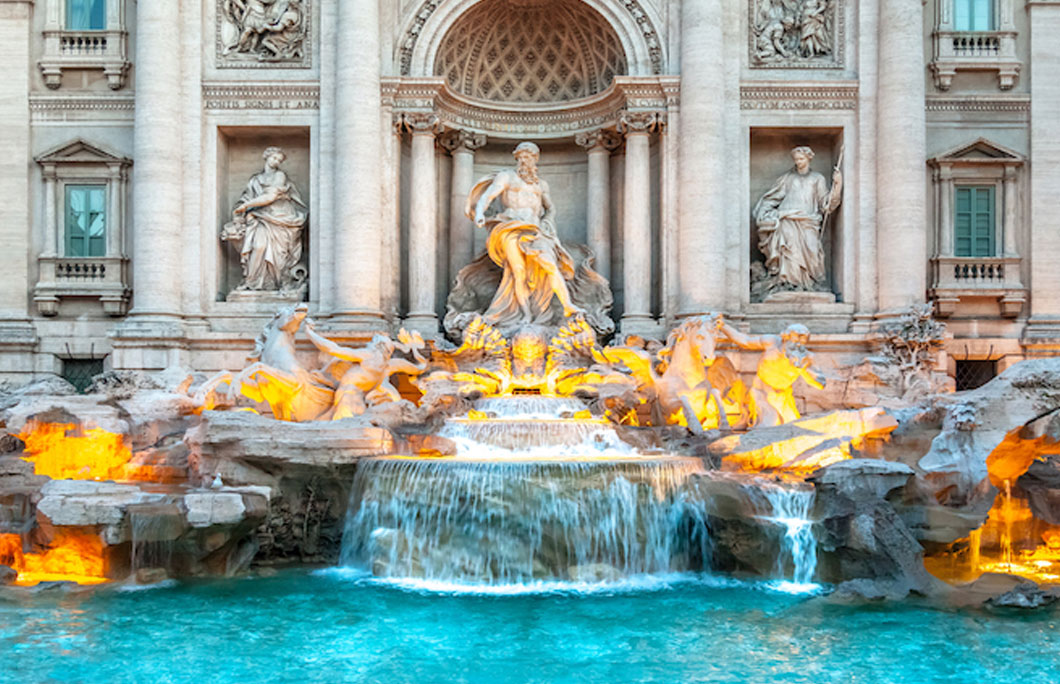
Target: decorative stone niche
(90,263)
(239,157)
(771,158)
(68,43)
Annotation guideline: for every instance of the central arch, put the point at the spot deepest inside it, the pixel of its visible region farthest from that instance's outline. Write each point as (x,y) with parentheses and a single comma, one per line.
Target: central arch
(530,51)
(632,22)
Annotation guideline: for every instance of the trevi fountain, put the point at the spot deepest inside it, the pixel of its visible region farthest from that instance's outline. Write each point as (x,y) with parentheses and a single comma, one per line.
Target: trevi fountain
(531,495)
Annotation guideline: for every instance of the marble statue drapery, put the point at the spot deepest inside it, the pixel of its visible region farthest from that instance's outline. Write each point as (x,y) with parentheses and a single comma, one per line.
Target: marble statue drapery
(267,226)
(790,218)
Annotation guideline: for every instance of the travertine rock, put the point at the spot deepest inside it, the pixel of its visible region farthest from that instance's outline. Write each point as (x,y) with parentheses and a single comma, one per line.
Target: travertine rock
(214,508)
(864,478)
(86,503)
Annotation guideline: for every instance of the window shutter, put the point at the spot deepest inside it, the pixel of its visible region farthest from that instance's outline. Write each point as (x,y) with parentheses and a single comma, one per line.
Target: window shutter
(973,229)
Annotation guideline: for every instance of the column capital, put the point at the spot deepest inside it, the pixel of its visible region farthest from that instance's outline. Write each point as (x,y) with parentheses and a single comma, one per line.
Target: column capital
(421,123)
(601,138)
(639,122)
(457,139)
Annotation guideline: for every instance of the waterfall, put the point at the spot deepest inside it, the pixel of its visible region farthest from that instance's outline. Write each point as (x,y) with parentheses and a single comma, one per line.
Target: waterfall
(503,522)
(154,528)
(790,506)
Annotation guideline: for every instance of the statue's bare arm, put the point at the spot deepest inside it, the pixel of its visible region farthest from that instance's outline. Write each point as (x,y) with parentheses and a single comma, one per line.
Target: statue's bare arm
(546,203)
(756,342)
(273,193)
(328,347)
(496,188)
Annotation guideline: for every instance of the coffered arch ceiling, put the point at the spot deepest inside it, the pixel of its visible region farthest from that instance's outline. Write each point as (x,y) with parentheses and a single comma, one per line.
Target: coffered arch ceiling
(525,51)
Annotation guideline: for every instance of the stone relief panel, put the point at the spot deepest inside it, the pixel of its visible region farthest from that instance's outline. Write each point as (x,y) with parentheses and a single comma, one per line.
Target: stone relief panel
(795,33)
(263,33)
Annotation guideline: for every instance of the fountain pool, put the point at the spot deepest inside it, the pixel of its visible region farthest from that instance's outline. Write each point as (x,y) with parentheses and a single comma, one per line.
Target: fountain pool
(332,625)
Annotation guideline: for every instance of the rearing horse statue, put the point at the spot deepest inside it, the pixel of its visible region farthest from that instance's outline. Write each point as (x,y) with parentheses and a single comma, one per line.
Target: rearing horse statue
(684,390)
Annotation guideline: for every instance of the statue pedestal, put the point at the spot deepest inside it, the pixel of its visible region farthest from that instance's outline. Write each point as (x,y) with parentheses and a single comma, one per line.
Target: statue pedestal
(266,301)
(798,297)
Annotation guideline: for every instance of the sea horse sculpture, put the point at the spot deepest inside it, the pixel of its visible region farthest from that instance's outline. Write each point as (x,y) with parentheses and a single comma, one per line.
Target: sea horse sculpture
(354,380)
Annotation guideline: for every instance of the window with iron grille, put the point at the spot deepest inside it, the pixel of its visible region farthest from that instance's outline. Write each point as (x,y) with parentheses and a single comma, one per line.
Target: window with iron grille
(973,374)
(79,372)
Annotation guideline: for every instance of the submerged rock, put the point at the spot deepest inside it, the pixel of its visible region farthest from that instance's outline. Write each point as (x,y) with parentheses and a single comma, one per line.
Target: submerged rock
(7,575)
(1025,595)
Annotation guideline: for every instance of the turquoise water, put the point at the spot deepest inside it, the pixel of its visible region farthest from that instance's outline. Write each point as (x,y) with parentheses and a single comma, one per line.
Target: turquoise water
(331,626)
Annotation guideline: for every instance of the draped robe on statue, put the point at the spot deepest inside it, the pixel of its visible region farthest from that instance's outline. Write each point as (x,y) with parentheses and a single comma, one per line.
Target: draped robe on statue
(790,218)
(491,276)
(272,245)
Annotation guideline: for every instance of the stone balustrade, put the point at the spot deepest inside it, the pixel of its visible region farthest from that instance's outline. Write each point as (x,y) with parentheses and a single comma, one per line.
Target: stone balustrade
(962,277)
(92,277)
(106,50)
(975,51)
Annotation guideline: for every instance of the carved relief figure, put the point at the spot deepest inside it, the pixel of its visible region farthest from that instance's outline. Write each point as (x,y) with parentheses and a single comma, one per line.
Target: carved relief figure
(790,218)
(784,360)
(540,283)
(269,30)
(267,229)
(789,32)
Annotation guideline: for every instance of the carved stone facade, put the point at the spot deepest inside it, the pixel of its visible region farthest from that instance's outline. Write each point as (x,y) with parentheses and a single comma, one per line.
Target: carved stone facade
(660,123)
(264,33)
(796,33)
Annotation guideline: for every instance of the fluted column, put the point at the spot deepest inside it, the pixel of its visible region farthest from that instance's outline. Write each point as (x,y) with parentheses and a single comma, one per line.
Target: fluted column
(423,224)
(901,205)
(17,335)
(52,246)
(636,246)
(157,218)
(701,225)
(358,153)
(599,145)
(1043,18)
(461,146)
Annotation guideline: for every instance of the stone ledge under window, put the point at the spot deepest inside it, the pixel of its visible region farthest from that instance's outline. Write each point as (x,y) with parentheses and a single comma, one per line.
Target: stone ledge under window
(965,277)
(975,51)
(102,278)
(104,50)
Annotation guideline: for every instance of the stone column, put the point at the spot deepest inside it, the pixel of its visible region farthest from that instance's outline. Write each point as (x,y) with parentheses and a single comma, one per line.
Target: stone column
(17,335)
(1044,64)
(461,146)
(157,219)
(1008,224)
(423,224)
(53,244)
(599,145)
(114,190)
(946,211)
(357,212)
(636,244)
(701,224)
(901,204)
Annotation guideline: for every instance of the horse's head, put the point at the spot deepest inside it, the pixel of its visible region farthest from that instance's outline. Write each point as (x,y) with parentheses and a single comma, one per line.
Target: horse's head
(696,334)
(289,319)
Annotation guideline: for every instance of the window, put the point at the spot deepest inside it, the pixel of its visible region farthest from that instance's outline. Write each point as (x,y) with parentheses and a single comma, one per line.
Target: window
(971,375)
(86,15)
(973,15)
(974,221)
(86,220)
(79,372)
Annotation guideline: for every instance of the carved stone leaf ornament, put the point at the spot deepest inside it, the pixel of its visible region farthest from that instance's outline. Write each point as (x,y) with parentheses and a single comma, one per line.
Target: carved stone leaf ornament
(263,33)
(795,33)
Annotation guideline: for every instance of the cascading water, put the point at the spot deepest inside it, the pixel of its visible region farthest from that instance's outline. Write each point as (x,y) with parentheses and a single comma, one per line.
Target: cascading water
(540,493)
(790,506)
(154,528)
(536,493)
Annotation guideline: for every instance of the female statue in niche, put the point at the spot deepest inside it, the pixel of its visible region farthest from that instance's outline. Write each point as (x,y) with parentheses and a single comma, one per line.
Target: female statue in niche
(790,218)
(527,276)
(267,229)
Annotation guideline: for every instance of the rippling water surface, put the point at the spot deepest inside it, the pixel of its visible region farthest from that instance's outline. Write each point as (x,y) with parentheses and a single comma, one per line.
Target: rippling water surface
(332,626)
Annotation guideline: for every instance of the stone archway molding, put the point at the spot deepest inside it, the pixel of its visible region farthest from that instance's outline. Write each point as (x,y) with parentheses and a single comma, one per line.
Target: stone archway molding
(634,21)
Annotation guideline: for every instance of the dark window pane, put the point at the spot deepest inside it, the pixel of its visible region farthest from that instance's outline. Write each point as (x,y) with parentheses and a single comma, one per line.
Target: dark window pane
(79,372)
(972,374)
(86,15)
